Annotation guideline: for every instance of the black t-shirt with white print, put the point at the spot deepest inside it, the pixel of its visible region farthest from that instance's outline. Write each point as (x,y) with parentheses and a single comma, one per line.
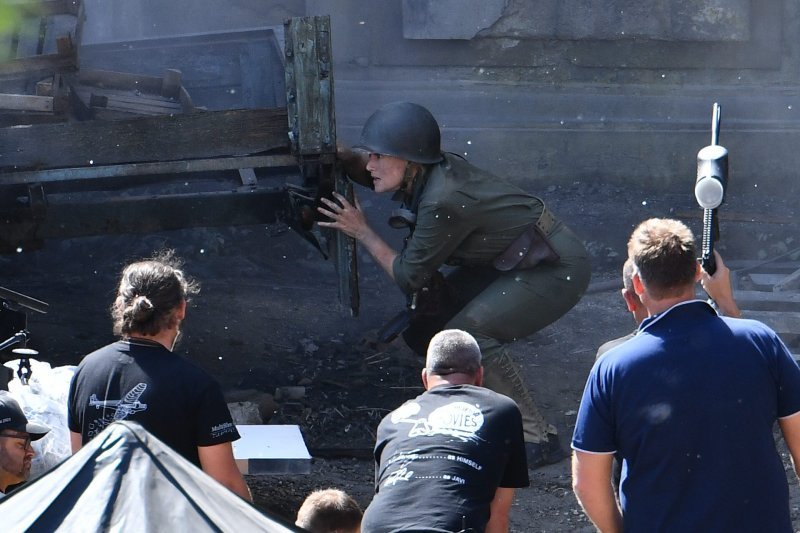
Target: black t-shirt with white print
(440,457)
(142,381)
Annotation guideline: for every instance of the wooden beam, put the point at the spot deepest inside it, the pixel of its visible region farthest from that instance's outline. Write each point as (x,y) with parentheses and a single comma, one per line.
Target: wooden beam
(149,139)
(309,85)
(109,79)
(105,215)
(26,102)
(145,169)
(47,63)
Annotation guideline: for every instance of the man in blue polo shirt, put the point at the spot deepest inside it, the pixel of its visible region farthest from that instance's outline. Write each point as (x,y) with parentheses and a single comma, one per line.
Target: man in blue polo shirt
(689,403)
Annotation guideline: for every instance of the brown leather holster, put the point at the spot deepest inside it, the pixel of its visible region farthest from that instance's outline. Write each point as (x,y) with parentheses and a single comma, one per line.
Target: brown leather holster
(530,248)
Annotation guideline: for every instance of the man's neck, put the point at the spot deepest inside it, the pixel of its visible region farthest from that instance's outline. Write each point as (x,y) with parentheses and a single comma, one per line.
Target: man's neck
(435,380)
(165,338)
(655,307)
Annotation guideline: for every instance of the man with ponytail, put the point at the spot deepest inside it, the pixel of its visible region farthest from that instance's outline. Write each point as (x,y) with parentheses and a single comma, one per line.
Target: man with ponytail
(139,378)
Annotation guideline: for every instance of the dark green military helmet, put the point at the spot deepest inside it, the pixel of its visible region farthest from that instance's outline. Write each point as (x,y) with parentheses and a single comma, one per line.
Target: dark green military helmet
(403,130)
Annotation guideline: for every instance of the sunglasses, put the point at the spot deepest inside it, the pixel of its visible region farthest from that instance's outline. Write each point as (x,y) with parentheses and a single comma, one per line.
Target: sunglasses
(26,438)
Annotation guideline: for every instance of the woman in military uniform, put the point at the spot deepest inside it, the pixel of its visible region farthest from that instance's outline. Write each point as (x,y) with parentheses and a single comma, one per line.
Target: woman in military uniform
(517,267)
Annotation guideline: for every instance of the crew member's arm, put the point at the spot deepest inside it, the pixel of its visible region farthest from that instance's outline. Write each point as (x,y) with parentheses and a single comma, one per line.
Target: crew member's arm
(500,509)
(790,427)
(591,481)
(719,288)
(217,461)
(350,219)
(75,441)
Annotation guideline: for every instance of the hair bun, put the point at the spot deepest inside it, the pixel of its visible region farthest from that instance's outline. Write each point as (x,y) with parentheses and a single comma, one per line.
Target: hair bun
(141,308)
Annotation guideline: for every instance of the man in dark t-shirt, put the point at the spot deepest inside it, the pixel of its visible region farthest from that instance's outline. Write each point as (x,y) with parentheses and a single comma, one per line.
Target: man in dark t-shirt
(451,458)
(139,380)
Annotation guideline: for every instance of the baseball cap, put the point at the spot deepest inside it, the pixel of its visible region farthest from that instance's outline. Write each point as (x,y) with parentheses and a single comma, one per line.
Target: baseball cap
(12,417)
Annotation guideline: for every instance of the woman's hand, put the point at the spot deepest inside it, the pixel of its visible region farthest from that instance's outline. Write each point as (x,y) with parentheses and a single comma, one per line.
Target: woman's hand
(350,220)
(346,217)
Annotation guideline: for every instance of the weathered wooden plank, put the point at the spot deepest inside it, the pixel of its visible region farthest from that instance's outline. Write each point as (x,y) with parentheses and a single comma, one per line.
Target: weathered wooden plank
(144,108)
(26,102)
(312,125)
(144,104)
(149,139)
(309,85)
(346,258)
(146,169)
(147,214)
(109,79)
(39,64)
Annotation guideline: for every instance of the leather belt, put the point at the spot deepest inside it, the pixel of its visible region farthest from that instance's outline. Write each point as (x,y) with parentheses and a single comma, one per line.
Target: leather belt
(531,247)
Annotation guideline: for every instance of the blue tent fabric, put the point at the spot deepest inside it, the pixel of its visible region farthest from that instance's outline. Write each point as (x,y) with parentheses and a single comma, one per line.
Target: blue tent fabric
(126,479)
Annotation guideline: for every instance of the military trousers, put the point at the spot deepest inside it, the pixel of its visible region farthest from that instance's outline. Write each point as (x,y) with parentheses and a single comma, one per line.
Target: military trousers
(498,308)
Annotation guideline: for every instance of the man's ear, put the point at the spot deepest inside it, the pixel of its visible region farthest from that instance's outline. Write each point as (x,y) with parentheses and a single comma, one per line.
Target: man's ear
(181,312)
(631,300)
(479,377)
(698,273)
(425,378)
(638,286)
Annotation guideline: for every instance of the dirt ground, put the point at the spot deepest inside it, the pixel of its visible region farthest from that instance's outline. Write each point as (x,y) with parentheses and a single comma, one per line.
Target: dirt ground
(267,317)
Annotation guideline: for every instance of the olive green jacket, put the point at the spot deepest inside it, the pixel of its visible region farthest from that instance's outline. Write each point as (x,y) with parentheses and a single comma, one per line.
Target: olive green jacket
(465,216)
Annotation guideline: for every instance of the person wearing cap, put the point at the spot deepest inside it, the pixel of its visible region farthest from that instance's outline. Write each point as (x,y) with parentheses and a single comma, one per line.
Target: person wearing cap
(516,266)
(451,458)
(16,435)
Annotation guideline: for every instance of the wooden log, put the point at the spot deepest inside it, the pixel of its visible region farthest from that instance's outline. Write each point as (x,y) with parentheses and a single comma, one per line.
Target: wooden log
(150,139)
(26,102)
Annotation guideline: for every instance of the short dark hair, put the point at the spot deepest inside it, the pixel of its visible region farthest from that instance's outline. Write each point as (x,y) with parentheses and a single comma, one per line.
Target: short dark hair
(663,251)
(149,293)
(453,351)
(329,511)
